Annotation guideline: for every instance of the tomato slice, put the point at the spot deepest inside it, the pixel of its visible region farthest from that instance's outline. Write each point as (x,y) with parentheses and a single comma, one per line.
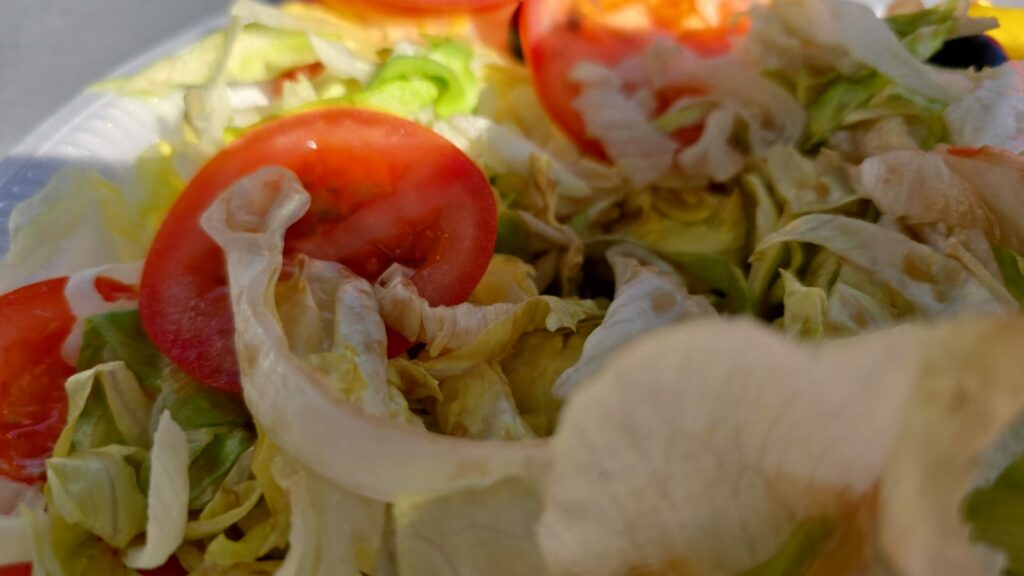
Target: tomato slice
(36,321)
(383,189)
(16,570)
(558,34)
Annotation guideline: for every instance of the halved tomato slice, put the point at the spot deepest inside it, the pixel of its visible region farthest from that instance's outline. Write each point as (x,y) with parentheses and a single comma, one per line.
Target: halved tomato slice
(36,320)
(33,404)
(383,189)
(557,35)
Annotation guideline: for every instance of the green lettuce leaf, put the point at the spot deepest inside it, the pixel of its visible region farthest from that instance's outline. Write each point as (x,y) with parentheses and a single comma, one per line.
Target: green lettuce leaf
(805,309)
(996,515)
(478,403)
(1011,266)
(106,406)
(801,548)
(693,223)
(119,336)
(215,451)
(840,99)
(60,548)
(99,490)
(404,85)
(218,423)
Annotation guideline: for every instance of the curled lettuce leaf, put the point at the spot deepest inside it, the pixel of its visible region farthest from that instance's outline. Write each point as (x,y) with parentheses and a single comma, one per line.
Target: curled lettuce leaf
(939,452)
(645,298)
(291,400)
(507,279)
(805,309)
(803,458)
(167,501)
(98,490)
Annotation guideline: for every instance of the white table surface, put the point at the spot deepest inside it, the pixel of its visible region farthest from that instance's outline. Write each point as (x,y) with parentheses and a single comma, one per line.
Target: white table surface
(52,49)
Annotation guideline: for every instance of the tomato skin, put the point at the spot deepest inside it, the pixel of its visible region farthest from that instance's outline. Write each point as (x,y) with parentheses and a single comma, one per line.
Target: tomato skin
(555,38)
(383,190)
(33,404)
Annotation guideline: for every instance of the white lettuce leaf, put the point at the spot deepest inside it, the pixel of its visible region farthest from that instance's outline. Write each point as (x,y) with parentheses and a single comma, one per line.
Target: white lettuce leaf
(295,405)
(920,188)
(711,156)
(966,399)
(646,298)
(773,116)
(167,501)
(993,114)
(485,530)
(729,444)
(333,531)
(706,463)
(504,150)
(996,177)
(934,283)
(621,124)
(456,327)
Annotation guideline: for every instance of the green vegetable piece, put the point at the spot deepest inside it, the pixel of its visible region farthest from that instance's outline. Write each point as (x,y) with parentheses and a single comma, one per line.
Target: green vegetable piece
(800,550)
(996,515)
(841,98)
(1011,265)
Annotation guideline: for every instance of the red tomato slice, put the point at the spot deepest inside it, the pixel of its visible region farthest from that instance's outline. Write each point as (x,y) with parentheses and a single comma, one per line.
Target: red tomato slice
(383,189)
(36,320)
(16,570)
(558,34)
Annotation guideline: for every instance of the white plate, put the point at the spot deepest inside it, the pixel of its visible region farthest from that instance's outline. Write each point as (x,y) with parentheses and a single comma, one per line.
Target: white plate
(94,129)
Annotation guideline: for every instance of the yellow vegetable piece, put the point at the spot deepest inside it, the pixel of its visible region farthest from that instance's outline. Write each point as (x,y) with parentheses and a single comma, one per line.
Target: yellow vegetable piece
(1011,27)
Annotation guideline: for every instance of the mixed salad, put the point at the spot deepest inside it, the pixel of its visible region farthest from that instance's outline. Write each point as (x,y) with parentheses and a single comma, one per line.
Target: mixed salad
(429,287)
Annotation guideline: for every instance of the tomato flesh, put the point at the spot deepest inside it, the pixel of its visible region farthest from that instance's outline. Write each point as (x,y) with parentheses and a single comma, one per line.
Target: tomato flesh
(16,570)
(383,190)
(33,405)
(559,34)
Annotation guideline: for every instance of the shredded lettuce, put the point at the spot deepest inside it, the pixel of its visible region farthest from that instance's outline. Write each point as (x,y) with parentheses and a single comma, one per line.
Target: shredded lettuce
(83,219)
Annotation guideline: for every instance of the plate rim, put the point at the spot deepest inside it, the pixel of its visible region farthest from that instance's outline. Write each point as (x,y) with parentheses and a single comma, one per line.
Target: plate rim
(87,100)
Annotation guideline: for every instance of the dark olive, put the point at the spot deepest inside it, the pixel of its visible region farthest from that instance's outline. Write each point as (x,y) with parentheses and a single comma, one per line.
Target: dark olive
(970,52)
(515,43)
